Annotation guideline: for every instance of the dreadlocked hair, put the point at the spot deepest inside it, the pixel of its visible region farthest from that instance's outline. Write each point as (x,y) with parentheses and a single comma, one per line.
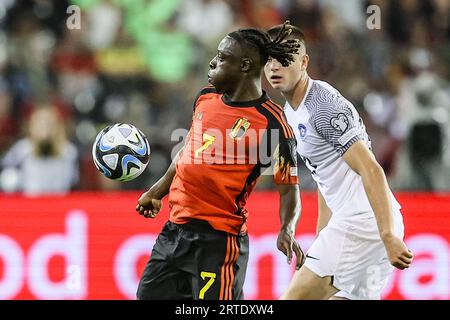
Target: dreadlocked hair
(279,49)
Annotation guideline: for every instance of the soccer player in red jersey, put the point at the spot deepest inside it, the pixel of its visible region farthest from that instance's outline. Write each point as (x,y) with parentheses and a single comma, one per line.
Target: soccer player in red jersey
(202,251)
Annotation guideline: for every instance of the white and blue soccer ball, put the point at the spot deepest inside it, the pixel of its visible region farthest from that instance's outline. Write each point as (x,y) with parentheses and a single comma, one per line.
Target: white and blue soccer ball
(121,152)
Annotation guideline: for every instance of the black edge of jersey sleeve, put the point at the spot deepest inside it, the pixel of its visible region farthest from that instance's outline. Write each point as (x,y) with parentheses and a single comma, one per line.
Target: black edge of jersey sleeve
(286,157)
(209,89)
(287,152)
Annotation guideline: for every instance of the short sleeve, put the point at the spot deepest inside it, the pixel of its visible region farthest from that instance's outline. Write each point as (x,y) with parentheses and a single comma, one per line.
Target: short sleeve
(339,124)
(205,90)
(285,151)
(285,164)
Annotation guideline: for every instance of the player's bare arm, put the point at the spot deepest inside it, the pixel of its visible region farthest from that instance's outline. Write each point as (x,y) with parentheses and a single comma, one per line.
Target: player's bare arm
(290,209)
(363,162)
(149,204)
(324,213)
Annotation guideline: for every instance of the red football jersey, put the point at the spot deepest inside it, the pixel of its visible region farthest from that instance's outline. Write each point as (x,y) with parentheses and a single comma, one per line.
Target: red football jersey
(228,145)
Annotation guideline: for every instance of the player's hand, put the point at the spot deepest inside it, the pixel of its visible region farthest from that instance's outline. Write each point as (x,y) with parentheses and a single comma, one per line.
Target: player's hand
(148,205)
(399,255)
(287,244)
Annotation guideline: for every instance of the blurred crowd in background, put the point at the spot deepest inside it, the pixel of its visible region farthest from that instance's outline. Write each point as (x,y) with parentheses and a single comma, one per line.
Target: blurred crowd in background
(143,62)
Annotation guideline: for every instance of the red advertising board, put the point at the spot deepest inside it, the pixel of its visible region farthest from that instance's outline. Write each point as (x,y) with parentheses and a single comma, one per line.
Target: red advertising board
(94,246)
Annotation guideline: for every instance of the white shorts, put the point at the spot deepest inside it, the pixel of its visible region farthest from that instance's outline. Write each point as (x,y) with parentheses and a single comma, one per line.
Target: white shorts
(351,251)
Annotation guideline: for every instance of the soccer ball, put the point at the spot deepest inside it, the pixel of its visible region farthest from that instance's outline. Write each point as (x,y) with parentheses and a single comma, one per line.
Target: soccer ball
(121,152)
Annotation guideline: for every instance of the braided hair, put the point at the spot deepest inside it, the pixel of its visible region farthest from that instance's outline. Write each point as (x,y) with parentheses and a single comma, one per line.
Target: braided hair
(279,49)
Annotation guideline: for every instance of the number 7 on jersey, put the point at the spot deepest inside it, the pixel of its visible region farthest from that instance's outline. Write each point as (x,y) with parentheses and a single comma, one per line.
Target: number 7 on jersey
(207,141)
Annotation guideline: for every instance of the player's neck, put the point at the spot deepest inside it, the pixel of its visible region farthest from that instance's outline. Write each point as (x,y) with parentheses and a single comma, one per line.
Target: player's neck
(245,93)
(296,96)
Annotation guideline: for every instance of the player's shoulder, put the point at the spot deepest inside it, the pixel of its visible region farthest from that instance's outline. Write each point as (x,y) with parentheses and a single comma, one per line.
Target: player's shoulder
(324,98)
(272,109)
(207,89)
(269,103)
(204,93)
(323,85)
(276,117)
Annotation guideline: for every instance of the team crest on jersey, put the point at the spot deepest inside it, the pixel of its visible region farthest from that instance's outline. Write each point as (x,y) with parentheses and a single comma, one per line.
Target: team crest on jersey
(302,130)
(239,128)
(340,123)
(199,115)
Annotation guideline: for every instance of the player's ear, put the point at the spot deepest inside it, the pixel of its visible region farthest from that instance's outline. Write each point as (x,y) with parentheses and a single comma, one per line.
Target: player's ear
(305,62)
(246,64)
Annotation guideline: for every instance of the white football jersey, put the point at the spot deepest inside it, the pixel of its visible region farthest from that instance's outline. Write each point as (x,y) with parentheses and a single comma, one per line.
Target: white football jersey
(325,126)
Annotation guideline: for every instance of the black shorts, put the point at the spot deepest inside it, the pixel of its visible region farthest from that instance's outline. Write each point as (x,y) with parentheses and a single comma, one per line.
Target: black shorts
(195,261)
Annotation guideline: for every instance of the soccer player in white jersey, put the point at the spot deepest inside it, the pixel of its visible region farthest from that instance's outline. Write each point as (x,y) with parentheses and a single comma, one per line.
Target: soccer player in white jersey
(360,227)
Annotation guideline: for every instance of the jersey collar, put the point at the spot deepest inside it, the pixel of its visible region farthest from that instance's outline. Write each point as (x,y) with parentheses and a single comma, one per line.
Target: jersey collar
(302,103)
(246,104)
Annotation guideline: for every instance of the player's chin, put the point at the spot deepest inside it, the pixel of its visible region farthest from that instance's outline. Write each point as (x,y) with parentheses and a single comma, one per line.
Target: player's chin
(213,83)
(277,86)
(218,87)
